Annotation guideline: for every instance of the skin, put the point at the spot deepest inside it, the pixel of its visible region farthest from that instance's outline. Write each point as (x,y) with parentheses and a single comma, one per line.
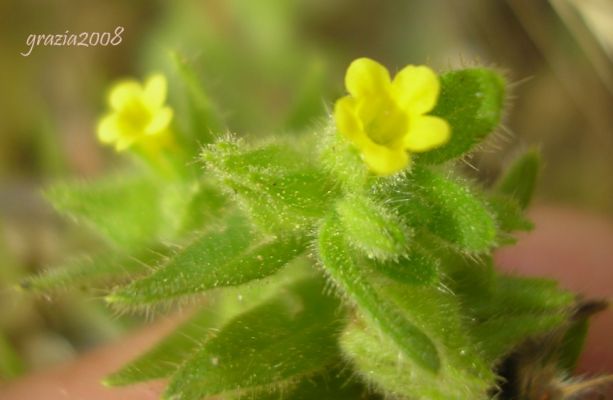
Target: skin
(573,247)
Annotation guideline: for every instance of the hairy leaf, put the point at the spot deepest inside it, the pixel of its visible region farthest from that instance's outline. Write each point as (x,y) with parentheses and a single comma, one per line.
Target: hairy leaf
(379,311)
(229,256)
(447,209)
(289,337)
(471,100)
(94,271)
(275,183)
(371,228)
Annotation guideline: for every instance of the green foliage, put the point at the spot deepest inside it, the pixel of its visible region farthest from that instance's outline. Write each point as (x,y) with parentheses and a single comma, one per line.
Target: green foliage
(446,208)
(203,119)
(93,271)
(291,336)
(520,177)
(226,256)
(124,209)
(371,228)
(471,101)
(276,185)
(379,311)
(313,277)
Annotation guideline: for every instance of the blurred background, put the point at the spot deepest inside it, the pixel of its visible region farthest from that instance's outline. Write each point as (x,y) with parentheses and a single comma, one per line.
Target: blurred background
(273,66)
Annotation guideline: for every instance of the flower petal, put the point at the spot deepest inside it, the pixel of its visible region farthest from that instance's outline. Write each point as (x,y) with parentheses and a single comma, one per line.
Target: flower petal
(416,88)
(366,77)
(108,129)
(159,122)
(348,123)
(384,160)
(155,90)
(124,93)
(426,132)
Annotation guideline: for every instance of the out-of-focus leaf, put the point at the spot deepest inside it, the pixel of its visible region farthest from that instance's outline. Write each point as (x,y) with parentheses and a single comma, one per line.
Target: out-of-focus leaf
(124,209)
(471,100)
(289,337)
(519,179)
(508,214)
(204,121)
(229,256)
(10,363)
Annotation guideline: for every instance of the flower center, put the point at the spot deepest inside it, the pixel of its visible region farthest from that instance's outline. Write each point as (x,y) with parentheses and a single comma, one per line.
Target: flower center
(383,121)
(135,117)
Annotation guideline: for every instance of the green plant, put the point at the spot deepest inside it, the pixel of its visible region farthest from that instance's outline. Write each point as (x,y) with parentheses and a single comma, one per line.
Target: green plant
(322,265)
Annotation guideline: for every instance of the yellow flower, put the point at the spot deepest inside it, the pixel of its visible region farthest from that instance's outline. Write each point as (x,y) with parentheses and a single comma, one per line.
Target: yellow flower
(138,114)
(385,118)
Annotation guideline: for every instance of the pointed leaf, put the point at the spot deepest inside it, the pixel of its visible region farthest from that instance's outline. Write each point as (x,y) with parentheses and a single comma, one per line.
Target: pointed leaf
(351,279)
(472,101)
(447,209)
(94,271)
(204,123)
(519,179)
(226,257)
(291,336)
(125,210)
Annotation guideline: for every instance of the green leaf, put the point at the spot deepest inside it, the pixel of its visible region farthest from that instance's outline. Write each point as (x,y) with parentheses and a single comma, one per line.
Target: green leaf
(308,103)
(499,335)
(228,256)
(471,100)
(167,356)
(11,364)
(508,214)
(447,209)
(94,271)
(275,183)
(572,344)
(371,228)
(329,385)
(418,267)
(124,209)
(519,180)
(463,373)
(204,121)
(291,336)
(354,283)
(517,295)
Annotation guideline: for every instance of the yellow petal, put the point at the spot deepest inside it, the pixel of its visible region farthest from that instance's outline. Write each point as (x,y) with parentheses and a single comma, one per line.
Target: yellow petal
(384,160)
(416,89)
(160,121)
(155,90)
(366,77)
(348,123)
(108,129)
(426,132)
(124,93)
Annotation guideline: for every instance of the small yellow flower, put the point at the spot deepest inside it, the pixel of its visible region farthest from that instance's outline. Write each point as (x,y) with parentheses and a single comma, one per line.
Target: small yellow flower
(138,114)
(385,118)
